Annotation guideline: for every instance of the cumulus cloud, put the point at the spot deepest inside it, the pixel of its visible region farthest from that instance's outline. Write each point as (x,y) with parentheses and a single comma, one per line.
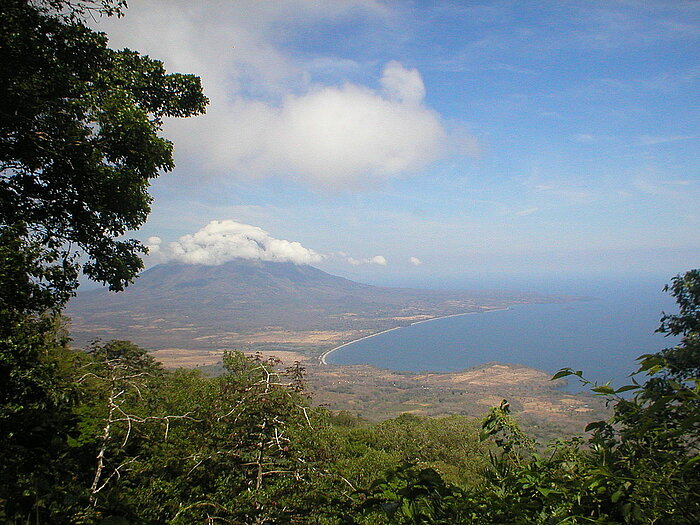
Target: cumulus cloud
(415,261)
(153,244)
(401,84)
(222,241)
(329,136)
(269,115)
(377,259)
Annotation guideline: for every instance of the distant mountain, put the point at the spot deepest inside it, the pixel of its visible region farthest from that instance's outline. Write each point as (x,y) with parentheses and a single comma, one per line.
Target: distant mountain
(198,306)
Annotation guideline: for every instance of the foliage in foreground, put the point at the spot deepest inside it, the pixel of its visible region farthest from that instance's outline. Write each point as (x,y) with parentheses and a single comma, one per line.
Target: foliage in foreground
(142,445)
(642,466)
(128,442)
(80,141)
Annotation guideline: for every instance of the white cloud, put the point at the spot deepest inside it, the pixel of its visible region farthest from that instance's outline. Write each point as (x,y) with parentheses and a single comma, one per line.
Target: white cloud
(585,138)
(377,259)
(402,85)
(222,241)
(268,115)
(658,187)
(544,187)
(526,212)
(415,261)
(563,192)
(328,136)
(153,244)
(649,140)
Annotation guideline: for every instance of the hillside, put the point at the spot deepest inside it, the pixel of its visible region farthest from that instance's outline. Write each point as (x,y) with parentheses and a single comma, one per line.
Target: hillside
(259,305)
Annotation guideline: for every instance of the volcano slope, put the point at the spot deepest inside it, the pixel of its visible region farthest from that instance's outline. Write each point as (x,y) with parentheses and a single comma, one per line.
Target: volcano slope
(259,305)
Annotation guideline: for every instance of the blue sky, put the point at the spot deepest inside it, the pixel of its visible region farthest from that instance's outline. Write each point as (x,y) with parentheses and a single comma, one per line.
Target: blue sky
(414,142)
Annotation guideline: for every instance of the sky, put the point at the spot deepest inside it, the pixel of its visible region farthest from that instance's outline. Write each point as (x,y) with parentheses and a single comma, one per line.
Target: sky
(422,142)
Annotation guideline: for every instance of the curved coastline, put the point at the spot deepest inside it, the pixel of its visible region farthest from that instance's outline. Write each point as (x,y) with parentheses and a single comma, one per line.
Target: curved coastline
(322,357)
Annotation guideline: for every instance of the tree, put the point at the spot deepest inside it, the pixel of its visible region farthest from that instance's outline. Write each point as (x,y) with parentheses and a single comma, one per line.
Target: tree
(683,361)
(79,139)
(642,466)
(35,393)
(189,449)
(79,144)
(122,370)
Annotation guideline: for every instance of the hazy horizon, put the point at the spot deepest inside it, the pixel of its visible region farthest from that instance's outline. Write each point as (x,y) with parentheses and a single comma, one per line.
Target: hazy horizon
(588,284)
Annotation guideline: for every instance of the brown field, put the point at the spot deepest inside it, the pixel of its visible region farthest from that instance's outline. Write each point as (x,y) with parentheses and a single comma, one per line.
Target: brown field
(182,358)
(377,394)
(310,337)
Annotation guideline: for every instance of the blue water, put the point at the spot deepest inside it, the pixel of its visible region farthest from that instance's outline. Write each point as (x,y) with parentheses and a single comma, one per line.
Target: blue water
(602,336)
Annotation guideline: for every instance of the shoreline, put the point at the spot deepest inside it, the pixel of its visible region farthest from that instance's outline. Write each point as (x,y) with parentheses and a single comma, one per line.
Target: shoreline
(322,357)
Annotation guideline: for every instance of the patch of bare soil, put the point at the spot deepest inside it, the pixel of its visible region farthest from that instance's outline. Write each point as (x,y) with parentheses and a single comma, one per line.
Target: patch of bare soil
(541,406)
(182,358)
(310,337)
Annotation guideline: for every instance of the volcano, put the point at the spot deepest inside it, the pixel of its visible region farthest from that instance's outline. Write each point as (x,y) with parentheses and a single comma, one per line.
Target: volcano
(196,305)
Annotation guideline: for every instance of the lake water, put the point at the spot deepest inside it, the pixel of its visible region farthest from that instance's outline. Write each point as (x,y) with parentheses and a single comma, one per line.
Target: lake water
(602,336)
